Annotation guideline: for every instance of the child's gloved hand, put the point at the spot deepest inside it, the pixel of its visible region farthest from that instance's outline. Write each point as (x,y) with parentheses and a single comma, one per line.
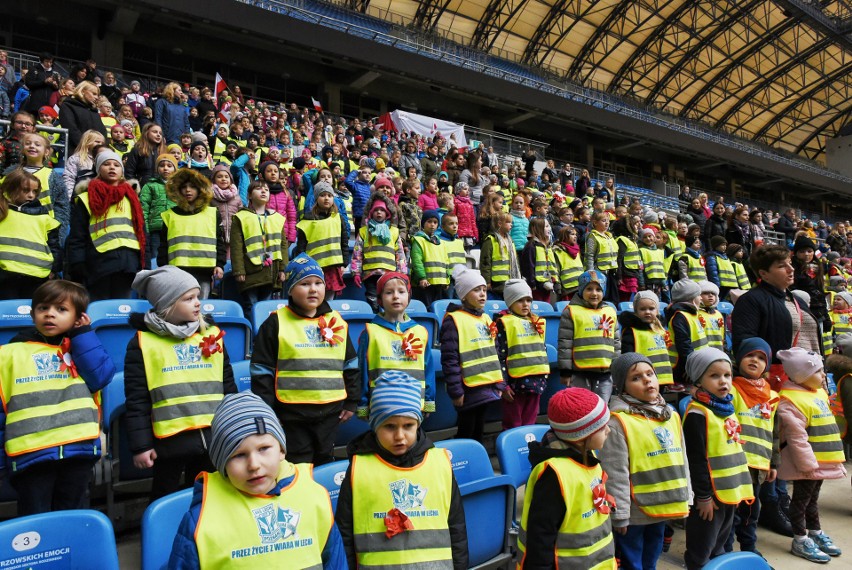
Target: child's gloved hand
(357,280)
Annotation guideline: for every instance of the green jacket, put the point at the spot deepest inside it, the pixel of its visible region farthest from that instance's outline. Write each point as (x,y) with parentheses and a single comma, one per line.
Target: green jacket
(154,202)
(416,269)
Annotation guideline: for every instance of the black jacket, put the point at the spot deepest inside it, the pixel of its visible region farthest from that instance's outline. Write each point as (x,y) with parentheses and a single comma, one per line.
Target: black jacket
(140,432)
(78,117)
(142,168)
(682,338)
(40,90)
(367,444)
(786,226)
(715,226)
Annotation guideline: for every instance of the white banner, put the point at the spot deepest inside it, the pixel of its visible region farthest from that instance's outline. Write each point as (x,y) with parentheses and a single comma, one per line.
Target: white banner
(429,127)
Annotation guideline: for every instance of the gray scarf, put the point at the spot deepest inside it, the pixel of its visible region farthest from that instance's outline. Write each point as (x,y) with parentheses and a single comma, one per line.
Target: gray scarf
(654,410)
(162,327)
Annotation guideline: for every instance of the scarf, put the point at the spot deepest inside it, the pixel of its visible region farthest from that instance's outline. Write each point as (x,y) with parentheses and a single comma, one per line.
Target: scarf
(275,188)
(572,250)
(224,194)
(102,196)
(379,230)
(507,248)
(198,164)
(161,327)
(754,392)
(657,410)
(745,229)
(722,407)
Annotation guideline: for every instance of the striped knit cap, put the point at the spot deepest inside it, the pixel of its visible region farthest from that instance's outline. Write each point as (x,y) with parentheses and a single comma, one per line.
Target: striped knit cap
(237,417)
(395,394)
(576,413)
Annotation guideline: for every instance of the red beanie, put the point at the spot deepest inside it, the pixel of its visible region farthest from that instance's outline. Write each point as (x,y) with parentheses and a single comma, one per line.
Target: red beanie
(576,413)
(49,111)
(383,280)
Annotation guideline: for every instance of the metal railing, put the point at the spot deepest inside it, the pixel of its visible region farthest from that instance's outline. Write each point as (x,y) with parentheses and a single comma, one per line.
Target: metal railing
(60,146)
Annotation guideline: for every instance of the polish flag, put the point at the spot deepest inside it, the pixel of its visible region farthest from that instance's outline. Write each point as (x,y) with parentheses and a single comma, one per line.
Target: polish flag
(218,88)
(317,105)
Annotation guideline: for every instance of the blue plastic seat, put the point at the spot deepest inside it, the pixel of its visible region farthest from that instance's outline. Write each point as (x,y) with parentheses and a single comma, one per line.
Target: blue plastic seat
(417,306)
(159,527)
(439,307)
(331,476)
(560,305)
(116,310)
(682,404)
(469,458)
(242,375)
(513,452)
(14,317)
(494,306)
(356,313)
(261,311)
(111,323)
(76,539)
(349,430)
(725,307)
(738,561)
(229,317)
(625,306)
(540,307)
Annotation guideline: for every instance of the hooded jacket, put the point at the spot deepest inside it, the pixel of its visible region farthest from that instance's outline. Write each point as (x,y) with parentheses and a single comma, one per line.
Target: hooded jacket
(678,327)
(565,346)
(154,202)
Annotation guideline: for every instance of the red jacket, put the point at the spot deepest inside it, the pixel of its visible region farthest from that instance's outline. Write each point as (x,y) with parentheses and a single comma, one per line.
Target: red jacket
(467,218)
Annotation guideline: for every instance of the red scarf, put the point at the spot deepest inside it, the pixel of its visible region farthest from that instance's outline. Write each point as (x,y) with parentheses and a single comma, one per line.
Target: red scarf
(103,195)
(571,250)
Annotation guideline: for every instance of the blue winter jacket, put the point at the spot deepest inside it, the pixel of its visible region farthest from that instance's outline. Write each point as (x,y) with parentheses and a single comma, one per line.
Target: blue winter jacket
(173,118)
(360,193)
(711,266)
(185,553)
(241,177)
(520,229)
(94,366)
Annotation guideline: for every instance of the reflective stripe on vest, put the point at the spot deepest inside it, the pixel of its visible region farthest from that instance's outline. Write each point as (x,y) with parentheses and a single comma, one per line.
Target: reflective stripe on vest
(219,149)
(632,258)
(477,351)
(823,433)
(43,175)
(743,281)
(725,459)
(674,243)
(695,268)
(238,530)
(756,424)
(607,251)
(584,540)
(310,369)
(435,260)
(654,260)
(191,239)
(714,328)
(653,345)
(840,322)
(527,352)
(185,385)
(544,267)
(594,336)
(23,244)
(696,335)
(422,492)
(658,482)
(385,352)
(727,276)
(45,406)
(499,262)
(323,240)
(378,255)
(259,229)
(114,229)
(455,253)
(568,268)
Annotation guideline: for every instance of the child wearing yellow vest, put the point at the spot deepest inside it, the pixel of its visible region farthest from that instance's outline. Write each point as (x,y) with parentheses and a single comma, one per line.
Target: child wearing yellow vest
(192,236)
(430,270)
(642,332)
(568,262)
(452,244)
(754,403)
(50,376)
(469,358)
(304,365)
(378,250)
(566,514)
(399,503)
(255,500)
(523,354)
(840,315)
(710,318)
(176,371)
(29,237)
(645,459)
(588,337)
(840,365)
(690,265)
(720,270)
(393,341)
(536,261)
(323,234)
(736,254)
(718,466)
(811,450)
(686,332)
(498,259)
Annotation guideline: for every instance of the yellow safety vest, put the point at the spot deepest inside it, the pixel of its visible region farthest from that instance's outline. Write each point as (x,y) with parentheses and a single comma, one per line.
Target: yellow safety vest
(262,235)
(837,409)
(756,424)
(219,149)
(695,268)
(594,336)
(45,405)
(840,322)
(185,385)
(584,539)
(544,267)
(347,206)
(714,328)
(23,244)
(658,480)
(43,175)
(632,258)
(743,281)
(653,345)
(527,351)
(675,244)
(653,260)
(386,351)
(499,262)
(378,255)
(568,268)
(114,229)
(455,253)
(696,335)
(725,459)
(310,368)
(422,492)
(727,275)
(323,240)
(477,351)
(435,260)
(238,530)
(823,433)
(191,239)
(607,250)
(123,153)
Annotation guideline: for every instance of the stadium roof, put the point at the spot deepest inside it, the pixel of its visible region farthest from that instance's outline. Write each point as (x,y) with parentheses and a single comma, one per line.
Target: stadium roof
(776,72)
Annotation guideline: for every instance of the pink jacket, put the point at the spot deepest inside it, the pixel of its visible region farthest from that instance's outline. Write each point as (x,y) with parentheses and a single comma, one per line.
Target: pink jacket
(283,204)
(467,218)
(797,457)
(427,201)
(229,203)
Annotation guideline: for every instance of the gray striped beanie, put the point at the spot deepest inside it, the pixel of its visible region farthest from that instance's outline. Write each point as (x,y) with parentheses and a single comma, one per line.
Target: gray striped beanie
(395,394)
(237,417)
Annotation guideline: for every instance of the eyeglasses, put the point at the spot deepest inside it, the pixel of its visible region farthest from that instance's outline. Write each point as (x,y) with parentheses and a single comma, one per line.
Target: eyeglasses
(24,124)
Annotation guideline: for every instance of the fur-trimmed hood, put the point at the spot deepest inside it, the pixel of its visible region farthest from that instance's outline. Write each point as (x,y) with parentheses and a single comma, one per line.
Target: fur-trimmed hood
(838,365)
(394,211)
(186,176)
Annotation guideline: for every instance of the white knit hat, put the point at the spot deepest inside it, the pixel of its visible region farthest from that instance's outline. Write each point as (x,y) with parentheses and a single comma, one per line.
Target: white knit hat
(466,280)
(515,290)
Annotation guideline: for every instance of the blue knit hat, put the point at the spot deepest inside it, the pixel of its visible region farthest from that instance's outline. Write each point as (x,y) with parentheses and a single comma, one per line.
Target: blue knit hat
(301,267)
(395,394)
(428,215)
(754,344)
(237,417)
(588,277)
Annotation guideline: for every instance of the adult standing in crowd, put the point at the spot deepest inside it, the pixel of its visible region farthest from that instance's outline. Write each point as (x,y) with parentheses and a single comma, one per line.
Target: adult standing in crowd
(171,114)
(472,176)
(757,229)
(837,239)
(42,81)
(787,225)
(739,229)
(79,114)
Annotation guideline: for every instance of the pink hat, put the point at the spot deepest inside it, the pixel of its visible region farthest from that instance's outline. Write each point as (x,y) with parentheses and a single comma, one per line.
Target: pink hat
(800,364)
(379,205)
(383,182)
